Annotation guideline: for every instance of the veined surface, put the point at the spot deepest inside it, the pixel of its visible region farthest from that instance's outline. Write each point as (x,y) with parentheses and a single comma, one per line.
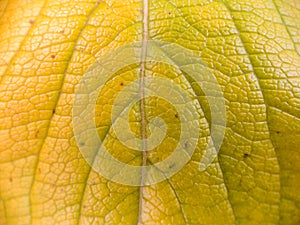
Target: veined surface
(252,47)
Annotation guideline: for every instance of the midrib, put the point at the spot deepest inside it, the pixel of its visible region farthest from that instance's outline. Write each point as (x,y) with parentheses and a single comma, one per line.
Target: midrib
(142,105)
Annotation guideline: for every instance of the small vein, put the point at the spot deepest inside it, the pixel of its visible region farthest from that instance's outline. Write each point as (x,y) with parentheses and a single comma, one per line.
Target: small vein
(286,27)
(57,101)
(21,44)
(174,192)
(250,59)
(179,202)
(254,72)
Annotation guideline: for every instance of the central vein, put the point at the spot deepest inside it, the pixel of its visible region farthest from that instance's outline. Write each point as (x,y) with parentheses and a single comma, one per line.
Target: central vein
(142,105)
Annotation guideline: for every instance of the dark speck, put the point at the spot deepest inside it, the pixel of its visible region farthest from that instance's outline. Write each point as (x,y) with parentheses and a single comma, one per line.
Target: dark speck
(121,83)
(176,115)
(171,165)
(53,56)
(31,22)
(81,144)
(246,155)
(186,144)
(53,111)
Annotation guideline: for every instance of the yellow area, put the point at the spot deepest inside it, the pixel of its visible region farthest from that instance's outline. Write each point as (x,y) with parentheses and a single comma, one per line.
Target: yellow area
(252,47)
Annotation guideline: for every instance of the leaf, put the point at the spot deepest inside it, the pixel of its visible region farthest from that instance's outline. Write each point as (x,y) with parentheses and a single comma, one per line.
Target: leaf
(251,47)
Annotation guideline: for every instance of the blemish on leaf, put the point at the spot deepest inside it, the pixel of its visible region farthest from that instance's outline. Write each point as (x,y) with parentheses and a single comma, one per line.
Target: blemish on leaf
(53,56)
(121,83)
(246,155)
(53,111)
(31,22)
(81,144)
(10,179)
(186,145)
(172,165)
(176,115)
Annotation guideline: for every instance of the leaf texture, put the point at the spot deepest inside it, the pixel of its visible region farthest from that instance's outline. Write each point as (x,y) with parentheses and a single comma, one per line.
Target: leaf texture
(253,49)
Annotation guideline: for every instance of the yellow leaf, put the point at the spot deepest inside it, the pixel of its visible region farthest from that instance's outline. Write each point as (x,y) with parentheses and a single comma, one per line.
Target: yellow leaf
(252,48)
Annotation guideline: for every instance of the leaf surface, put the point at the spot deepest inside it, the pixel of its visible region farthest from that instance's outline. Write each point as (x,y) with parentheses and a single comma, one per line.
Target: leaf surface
(253,49)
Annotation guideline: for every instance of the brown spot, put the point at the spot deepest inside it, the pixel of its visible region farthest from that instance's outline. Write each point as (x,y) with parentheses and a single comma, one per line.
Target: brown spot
(277,132)
(31,22)
(53,56)
(10,179)
(81,144)
(176,115)
(121,83)
(62,31)
(53,111)
(246,155)
(40,170)
(172,165)
(186,144)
